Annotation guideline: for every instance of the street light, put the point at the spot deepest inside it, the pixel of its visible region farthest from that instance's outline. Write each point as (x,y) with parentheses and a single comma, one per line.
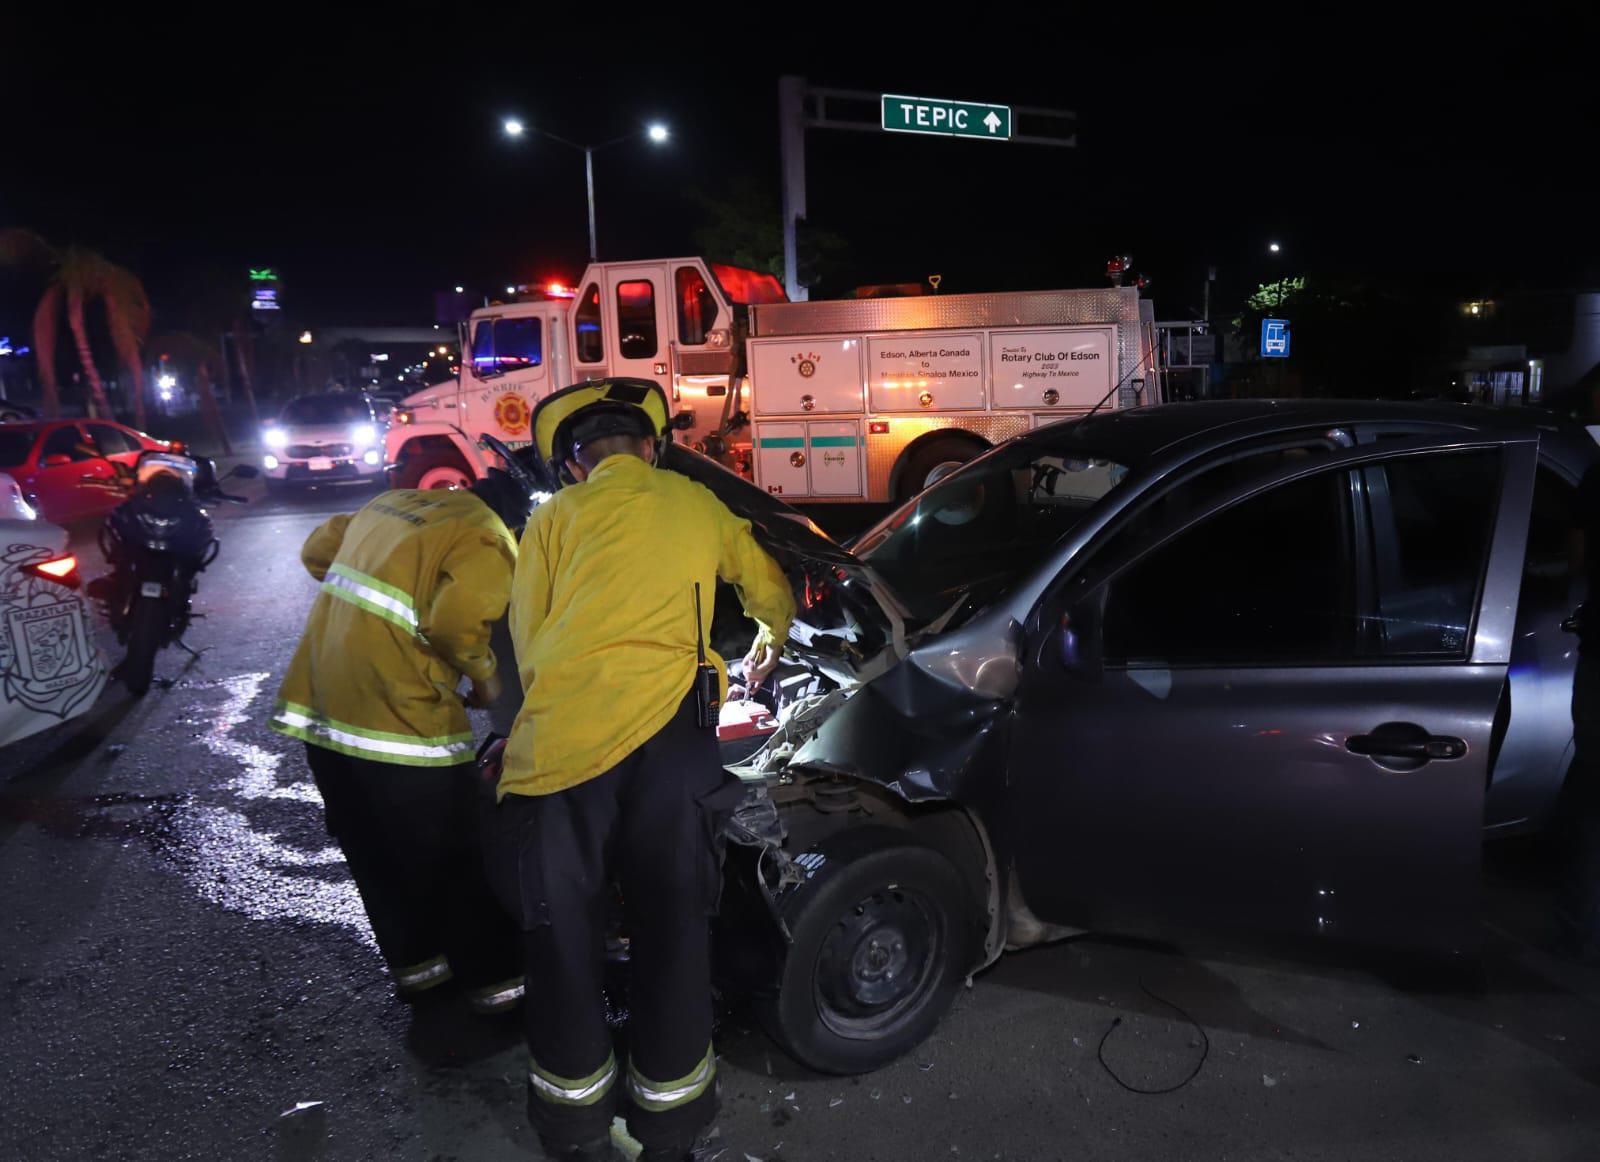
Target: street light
(460,289)
(1274,247)
(656,132)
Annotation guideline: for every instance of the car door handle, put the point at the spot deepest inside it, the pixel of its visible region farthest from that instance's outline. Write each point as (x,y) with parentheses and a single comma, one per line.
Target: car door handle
(1406,740)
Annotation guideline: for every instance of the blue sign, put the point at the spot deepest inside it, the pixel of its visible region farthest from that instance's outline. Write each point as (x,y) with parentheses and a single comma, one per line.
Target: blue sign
(1274,338)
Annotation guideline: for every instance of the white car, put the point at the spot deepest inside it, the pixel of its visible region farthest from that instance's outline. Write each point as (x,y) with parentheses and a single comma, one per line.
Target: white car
(50,667)
(327,437)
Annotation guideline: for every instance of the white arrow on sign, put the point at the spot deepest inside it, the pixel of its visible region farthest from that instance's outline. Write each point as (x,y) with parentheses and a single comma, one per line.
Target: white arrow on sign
(992,121)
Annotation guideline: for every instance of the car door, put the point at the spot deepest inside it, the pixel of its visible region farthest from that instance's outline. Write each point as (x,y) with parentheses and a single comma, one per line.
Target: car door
(1225,718)
(639,341)
(72,480)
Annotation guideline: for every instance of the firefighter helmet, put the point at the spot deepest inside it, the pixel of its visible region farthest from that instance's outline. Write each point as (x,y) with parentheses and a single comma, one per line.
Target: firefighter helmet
(566,420)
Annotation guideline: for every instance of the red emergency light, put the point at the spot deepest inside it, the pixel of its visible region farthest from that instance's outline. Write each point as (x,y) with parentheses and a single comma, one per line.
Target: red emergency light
(557,291)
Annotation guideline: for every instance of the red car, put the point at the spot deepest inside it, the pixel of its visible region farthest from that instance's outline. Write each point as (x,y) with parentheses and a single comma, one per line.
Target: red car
(63,466)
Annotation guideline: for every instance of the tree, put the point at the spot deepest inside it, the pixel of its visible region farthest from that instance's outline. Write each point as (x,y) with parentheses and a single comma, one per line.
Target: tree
(1351,338)
(78,278)
(744,227)
(200,359)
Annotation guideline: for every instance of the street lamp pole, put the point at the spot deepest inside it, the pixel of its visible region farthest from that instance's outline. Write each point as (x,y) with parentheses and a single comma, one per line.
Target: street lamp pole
(588,177)
(657,133)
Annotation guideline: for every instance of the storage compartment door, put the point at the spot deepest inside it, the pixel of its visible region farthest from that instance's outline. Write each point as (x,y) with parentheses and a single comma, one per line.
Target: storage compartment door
(835,458)
(781,458)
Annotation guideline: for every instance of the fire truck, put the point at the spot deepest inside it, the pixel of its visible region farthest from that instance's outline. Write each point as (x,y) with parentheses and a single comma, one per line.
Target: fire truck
(846,400)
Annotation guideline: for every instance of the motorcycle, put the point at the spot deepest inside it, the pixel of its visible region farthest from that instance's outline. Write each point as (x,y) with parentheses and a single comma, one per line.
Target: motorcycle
(157,543)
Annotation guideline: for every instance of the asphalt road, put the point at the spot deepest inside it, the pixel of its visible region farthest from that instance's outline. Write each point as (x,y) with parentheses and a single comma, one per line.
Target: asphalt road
(185,965)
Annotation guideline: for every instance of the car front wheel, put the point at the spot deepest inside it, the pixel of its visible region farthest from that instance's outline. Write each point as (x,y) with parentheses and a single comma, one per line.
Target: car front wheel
(883,934)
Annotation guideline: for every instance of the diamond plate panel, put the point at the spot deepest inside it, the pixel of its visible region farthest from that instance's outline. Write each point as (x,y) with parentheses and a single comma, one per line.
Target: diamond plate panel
(884,449)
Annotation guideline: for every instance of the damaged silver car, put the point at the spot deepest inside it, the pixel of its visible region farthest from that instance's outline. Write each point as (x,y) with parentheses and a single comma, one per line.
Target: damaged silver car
(1256,665)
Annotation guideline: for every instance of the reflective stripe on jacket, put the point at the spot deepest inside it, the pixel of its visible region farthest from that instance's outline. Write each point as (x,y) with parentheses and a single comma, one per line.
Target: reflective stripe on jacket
(410,587)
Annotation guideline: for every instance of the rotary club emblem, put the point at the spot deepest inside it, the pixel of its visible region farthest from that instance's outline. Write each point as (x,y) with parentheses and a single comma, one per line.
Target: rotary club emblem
(806,364)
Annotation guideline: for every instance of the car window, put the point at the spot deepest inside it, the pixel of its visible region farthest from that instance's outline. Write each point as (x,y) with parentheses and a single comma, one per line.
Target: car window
(112,441)
(68,442)
(14,447)
(483,346)
(516,344)
(977,529)
(697,306)
(327,409)
(1269,580)
(586,323)
(636,318)
(1432,520)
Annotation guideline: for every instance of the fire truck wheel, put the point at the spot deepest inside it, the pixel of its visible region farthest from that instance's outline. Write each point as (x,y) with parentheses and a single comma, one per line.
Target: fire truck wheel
(435,472)
(882,939)
(930,462)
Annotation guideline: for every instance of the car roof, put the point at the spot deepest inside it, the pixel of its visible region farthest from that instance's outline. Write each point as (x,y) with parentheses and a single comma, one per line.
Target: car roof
(1135,435)
(40,425)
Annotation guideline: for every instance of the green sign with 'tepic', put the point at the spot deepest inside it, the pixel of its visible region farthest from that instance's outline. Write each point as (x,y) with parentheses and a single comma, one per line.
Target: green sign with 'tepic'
(946,118)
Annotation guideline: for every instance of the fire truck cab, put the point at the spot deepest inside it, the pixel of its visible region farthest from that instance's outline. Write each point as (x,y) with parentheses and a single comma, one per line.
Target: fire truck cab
(679,321)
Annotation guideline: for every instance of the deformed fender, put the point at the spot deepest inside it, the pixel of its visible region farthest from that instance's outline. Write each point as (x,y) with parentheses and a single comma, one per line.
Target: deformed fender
(929,728)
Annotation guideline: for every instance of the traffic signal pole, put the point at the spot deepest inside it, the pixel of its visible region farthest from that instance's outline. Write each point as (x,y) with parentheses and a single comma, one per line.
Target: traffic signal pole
(792,143)
(801,108)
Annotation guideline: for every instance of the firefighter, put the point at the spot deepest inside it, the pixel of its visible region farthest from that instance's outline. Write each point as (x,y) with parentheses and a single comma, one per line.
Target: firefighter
(611,776)
(410,586)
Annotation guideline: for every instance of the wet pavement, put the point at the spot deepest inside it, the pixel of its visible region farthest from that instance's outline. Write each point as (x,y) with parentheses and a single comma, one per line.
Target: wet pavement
(187,974)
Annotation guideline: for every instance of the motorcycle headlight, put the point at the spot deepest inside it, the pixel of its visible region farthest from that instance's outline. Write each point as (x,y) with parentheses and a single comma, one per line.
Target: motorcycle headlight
(275,438)
(363,434)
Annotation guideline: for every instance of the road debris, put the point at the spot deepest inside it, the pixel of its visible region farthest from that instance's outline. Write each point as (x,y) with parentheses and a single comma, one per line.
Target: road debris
(1268,1080)
(838,1101)
(1413,1058)
(300,1107)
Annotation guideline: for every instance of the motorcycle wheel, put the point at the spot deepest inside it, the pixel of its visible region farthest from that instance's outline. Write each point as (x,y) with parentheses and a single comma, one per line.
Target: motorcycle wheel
(145,625)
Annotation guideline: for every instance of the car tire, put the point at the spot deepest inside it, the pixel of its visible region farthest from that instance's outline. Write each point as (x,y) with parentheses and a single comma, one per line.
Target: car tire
(146,624)
(929,462)
(883,933)
(437,471)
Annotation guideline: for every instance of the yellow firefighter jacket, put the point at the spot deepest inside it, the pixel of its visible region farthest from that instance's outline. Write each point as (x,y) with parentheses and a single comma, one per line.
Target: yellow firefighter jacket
(602,614)
(410,585)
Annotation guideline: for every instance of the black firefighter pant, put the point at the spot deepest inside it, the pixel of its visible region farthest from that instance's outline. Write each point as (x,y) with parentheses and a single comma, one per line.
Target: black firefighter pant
(411,838)
(651,825)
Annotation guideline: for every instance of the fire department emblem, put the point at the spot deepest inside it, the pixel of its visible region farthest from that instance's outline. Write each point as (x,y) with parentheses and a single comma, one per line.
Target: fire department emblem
(511,412)
(807,364)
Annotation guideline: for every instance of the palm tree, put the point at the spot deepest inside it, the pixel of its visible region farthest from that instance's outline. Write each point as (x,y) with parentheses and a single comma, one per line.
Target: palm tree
(79,277)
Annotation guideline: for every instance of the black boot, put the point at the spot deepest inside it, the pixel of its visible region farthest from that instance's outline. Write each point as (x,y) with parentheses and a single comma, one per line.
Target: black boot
(597,1151)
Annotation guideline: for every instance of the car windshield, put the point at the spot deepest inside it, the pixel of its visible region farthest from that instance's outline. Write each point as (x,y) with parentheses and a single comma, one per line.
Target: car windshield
(14,448)
(982,526)
(326,409)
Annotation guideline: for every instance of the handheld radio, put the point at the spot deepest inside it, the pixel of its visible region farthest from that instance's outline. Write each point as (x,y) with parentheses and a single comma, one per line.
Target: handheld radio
(707,686)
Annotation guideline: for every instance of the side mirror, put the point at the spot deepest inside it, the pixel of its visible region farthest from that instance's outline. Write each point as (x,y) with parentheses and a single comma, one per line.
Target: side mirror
(683,421)
(1079,638)
(55,460)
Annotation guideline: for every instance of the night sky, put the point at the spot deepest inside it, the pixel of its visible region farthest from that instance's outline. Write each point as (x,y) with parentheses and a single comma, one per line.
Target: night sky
(362,156)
